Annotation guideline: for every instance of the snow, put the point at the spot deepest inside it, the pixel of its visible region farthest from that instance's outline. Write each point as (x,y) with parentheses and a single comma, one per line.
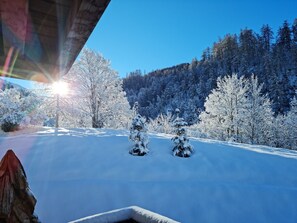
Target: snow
(136,213)
(75,173)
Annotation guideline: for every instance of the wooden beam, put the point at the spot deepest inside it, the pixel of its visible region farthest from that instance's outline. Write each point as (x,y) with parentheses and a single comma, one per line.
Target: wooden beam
(47,8)
(30,70)
(1,37)
(14,18)
(80,24)
(44,37)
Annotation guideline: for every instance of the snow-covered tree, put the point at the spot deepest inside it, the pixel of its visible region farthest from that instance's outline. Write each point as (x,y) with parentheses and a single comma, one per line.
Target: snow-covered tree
(18,108)
(225,109)
(182,147)
(258,115)
(289,138)
(237,110)
(69,114)
(138,135)
(278,131)
(97,91)
(161,124)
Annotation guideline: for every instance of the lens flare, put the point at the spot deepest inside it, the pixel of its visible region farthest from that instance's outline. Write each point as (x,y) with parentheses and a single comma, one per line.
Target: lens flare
(60,88)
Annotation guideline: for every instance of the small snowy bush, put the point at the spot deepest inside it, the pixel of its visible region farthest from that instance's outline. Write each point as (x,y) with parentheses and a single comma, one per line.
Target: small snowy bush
(182,147)
(9,126)
(11,122)
(138,134)
(161,124)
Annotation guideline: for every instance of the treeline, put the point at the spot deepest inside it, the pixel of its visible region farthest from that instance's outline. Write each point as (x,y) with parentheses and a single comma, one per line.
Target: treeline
(271,57)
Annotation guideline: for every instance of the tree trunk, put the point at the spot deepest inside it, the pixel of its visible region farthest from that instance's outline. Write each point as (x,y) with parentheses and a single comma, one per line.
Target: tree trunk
(97,123)
(94,122)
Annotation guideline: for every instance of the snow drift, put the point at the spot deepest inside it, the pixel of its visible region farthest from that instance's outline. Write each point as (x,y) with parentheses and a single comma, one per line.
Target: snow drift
(75,173)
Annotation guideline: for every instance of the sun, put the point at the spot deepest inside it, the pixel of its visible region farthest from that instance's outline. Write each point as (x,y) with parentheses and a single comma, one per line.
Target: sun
(60,88)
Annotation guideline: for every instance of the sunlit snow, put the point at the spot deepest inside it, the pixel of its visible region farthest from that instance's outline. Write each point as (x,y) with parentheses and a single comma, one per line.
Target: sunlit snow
(75,173)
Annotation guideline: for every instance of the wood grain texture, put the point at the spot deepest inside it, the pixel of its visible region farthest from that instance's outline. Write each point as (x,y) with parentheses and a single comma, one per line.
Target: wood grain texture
(46,32)
(17,203)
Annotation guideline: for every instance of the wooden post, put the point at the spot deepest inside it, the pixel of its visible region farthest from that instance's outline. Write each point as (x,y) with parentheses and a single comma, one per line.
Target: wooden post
(57,110)
(16,200)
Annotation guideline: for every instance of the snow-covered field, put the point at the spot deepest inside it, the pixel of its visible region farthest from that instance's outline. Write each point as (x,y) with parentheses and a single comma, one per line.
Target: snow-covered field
(79,172)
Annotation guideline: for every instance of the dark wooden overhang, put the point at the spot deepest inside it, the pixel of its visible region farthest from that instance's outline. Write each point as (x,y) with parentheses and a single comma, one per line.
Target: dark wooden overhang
(40,39)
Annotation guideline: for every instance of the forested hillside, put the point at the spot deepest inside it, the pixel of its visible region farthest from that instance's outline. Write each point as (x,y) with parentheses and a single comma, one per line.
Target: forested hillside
(271,57)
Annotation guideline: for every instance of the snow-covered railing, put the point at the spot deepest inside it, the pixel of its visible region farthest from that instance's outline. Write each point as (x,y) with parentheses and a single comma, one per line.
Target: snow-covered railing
(135,213)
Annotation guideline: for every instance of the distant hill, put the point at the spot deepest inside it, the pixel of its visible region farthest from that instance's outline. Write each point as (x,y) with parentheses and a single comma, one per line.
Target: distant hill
(4,84)
(186,86)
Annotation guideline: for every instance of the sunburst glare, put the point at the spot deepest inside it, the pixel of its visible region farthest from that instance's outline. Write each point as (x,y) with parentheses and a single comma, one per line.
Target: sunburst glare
(60,88)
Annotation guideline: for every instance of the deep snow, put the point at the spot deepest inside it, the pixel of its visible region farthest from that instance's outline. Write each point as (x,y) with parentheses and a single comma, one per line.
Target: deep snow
(75,173)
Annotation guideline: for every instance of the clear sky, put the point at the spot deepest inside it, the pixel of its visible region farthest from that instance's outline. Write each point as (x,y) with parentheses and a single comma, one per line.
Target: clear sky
(154,34)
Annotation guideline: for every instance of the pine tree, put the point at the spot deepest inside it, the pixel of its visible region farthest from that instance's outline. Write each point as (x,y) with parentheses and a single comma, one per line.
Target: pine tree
(266,38)
(248,52)
(284,38)
(282,90)
(226,54)
(294,55)
(264,73)
(182,147)
(294,31)
(138,135)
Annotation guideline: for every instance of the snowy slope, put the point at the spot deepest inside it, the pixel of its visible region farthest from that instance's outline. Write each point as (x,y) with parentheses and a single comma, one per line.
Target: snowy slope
(80,172)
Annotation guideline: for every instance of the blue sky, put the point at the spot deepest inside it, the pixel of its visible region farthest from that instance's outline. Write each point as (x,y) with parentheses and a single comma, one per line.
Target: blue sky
(154,34)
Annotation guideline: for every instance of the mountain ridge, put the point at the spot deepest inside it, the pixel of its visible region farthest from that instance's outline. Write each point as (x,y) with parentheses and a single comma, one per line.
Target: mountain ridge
(186,86)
